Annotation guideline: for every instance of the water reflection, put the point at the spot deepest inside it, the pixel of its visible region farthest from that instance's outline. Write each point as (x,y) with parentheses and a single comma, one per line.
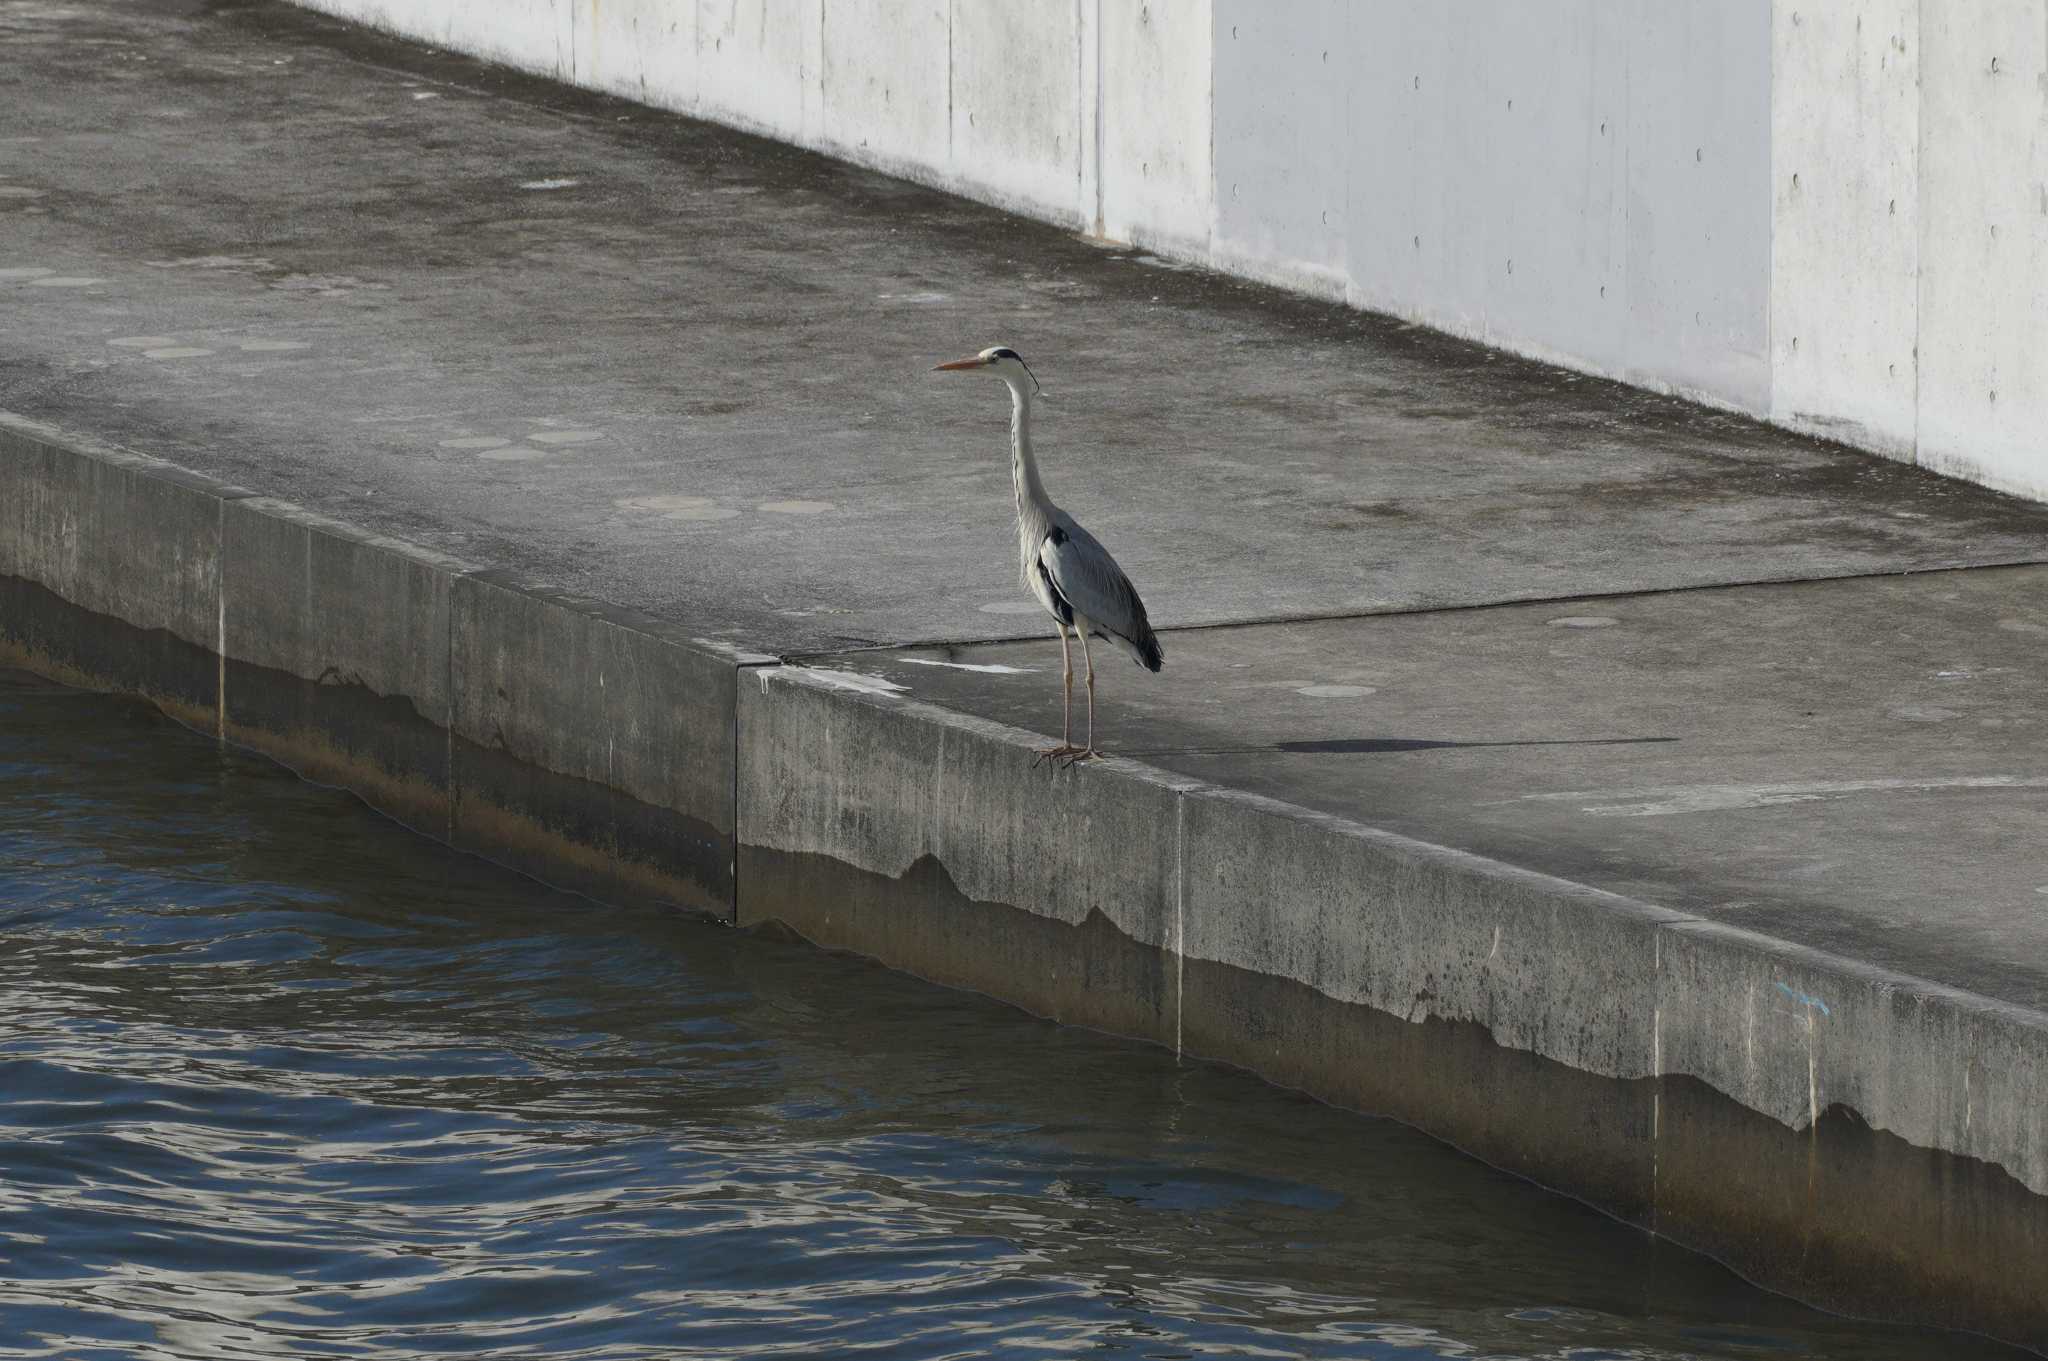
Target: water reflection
(281,1079)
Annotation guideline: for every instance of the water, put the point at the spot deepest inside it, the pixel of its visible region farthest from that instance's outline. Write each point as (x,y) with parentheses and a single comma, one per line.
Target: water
(278,1078)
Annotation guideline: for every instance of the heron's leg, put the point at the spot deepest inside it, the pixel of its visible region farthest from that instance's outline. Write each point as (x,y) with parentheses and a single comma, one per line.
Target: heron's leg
(1089,750)
(1066,746)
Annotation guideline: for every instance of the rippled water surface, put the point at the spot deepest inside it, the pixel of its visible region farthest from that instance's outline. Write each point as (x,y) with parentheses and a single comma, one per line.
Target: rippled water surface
(278,1078)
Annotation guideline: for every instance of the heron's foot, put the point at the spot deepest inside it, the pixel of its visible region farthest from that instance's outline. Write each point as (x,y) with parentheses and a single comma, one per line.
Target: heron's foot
(1065,754)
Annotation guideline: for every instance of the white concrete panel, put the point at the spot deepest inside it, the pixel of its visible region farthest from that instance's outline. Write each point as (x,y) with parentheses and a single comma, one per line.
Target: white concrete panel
(1018,130)
(757,65)
(1533,224)
(1486,156)
(644,50)
(532,35)
(1699,199)
(1394,57)
(1154,129)
(1282,183)
(1984,241)
(1845,249)
(887,85)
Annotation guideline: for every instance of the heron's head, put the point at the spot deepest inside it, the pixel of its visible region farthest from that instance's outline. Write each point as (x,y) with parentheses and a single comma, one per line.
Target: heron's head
(999,361)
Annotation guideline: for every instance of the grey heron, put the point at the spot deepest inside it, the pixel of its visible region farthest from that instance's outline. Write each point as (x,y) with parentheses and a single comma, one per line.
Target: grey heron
(1063,565)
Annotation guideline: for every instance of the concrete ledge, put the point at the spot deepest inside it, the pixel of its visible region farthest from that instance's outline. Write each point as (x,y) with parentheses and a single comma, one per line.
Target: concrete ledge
(337,656)
(1859,1138)
(581,743)
(110,533)
(925,839)
(1735,1093)
(593,747)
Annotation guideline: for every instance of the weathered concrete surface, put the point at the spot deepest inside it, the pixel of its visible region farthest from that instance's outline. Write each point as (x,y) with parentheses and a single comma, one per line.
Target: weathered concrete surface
(919,837)
(595,746)
(338,646)
(1743,956)
(708,360)
(72,542)
(1860,766)
(573,739)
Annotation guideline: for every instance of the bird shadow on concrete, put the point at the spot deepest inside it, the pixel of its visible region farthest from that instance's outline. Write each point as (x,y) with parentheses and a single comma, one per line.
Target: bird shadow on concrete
(1382,746)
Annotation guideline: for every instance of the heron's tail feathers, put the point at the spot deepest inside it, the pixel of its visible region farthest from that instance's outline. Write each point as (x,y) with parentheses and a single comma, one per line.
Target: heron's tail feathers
(1144,648)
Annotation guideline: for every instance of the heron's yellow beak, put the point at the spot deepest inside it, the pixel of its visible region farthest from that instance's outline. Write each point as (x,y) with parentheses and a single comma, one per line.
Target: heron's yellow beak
(975,363)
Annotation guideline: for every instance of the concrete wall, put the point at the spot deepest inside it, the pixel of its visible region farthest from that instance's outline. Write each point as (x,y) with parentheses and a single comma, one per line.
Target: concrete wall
(1831,215)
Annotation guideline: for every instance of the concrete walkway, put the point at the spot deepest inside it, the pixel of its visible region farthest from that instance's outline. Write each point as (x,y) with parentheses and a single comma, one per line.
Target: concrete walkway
(660,364)
(1572,628)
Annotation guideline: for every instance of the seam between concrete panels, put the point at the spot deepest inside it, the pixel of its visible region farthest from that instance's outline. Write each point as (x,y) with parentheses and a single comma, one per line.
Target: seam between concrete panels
(1180,899)
(220,636)
(739,672)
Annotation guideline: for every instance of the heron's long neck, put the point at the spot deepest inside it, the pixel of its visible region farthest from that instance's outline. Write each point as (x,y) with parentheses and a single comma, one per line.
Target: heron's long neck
(1031,495)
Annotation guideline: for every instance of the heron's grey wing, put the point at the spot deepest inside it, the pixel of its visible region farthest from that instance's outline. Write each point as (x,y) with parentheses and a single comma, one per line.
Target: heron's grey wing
(1089,580)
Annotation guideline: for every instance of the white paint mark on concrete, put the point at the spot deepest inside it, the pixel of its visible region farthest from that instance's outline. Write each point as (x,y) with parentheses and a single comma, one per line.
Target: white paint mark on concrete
(564,436)
(983,668)
(25,272)
(274,346)
(1583,621)
(144,342)
(1667,800)
(1335,691)
(476,442)
(678,507)
(19,191)
(2023,626)
(426,94)
(64,281)
(924,298)
(1012,607)
(797,507)
(215,262)
(517,453)
(854,680)
(178,352)
(662,503)
(550,184)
